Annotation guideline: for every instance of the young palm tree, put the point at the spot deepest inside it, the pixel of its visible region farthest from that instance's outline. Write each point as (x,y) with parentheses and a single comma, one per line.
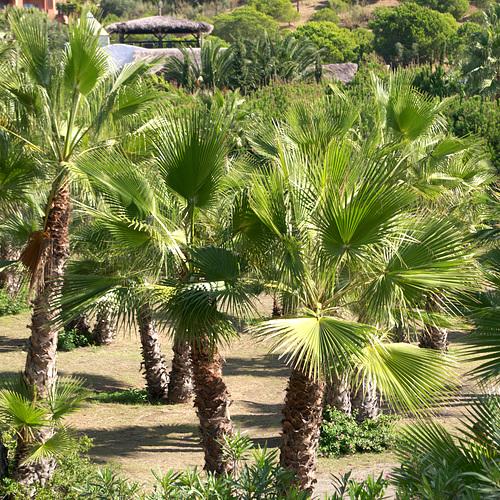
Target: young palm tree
(59,107)
(30,417)
(345,246)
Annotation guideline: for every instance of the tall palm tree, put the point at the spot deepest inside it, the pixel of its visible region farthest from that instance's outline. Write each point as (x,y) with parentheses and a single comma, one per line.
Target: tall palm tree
(61,106)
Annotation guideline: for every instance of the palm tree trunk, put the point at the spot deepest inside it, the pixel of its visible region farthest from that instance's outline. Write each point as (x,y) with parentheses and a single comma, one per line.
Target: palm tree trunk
(338,395)
(9,280)
(212,406)
(104,332)
(181,385)
(301,428)
(40,370)
(364,399)
(31,474)
(4,459)
(434,337)
(155,370)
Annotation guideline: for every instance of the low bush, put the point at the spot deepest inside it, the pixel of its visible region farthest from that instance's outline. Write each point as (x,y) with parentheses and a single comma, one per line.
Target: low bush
(327,15)
(13,302)
(341,435)
(479,116)
(73,469)
(127,397)
(71,339)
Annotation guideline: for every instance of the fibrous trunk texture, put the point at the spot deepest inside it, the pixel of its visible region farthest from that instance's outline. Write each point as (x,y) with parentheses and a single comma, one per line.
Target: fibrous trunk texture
(301,428)
(364,399)
(29,475)
(4,460)
(181,385)
(434,337)
(212,406)
(104,332)
(10,280)
(40,370)
(338,394)
(155,369)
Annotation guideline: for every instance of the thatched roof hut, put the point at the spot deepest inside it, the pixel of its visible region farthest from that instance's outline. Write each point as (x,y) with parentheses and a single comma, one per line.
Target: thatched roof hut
(160,25)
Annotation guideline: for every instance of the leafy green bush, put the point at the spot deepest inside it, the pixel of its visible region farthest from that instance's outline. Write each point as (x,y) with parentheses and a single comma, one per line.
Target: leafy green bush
(457,8)
(325,15)
(275,99)
(243,22)
(339,44)
(13,302)
(342,435)
(127,397)
(435,82)
(411,32)
(338,5)
(280,10)
(476,115)
(71,339)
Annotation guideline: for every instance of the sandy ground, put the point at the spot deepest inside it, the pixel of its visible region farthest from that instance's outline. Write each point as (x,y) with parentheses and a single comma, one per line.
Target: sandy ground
(142,438)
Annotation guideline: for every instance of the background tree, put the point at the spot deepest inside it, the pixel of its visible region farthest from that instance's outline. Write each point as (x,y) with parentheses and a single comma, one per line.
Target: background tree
(280,10)
(337,44)
(457,8)
(421,32)
(243,22)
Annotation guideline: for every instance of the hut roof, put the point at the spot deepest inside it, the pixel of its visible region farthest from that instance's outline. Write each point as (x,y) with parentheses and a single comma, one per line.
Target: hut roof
(160,25)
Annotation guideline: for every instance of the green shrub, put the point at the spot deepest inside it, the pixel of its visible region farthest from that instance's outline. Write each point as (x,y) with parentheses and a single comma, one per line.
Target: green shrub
(275,99)
(13,302)
(410,32)
(338,5)
(73,469)
(128,397)
(477,17)
(327,15)
(341,435)
(243,22)
(338,44)
(280,10)
(436,82)
(457,8)
(71,339)
(476,115)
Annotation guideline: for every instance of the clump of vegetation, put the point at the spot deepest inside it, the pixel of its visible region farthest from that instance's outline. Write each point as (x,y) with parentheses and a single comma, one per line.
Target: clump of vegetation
(371,488)
(342,435)
(71,339)
(127,397)
(13,302)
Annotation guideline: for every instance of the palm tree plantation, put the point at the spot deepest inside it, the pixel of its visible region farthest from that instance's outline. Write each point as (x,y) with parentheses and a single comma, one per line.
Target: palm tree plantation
(226,274)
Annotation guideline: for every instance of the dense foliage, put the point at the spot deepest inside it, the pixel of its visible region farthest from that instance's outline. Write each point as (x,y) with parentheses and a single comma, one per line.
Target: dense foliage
(338,45)
(457,8)
(342,435)
(280,10)
(411,32)
(243,22)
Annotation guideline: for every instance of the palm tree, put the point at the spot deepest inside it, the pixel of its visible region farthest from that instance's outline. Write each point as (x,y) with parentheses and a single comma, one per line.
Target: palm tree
(59,107)
(32,418)
(341,232)
(463,463)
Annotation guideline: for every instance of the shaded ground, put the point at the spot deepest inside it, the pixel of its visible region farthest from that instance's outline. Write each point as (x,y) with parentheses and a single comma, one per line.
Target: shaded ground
(141,438)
